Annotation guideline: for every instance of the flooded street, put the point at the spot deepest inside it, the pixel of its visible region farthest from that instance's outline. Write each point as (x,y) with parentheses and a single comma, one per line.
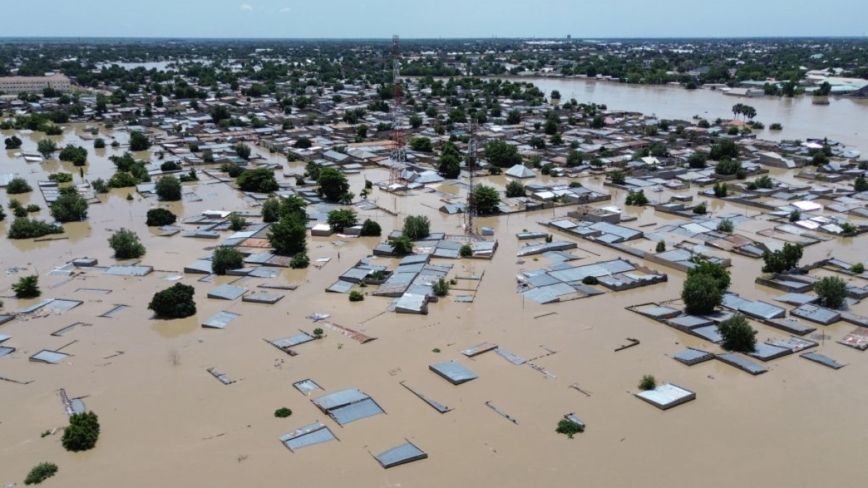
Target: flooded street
(167,422)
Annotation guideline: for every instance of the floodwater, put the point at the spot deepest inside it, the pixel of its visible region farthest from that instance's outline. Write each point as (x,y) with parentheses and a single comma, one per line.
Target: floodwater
(842,120)
(166,421)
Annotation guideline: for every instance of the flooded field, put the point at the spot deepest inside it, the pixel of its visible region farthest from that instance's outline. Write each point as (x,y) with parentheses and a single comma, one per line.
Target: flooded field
(166,421)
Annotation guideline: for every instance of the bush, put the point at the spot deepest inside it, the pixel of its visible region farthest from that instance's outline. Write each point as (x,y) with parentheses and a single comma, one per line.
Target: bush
(661,246)
(701,294)
(569,428)
(226,258)
(175,302)
(46,147)
(637,198)
(76,154)
(27,287)
(82,433)
(99,185)
(318,332)
(299,261)
(618,177)
(282,413)
(721,276)
(857,268)
(832,291)
(402,245)
(764,181)
(416,227)
(701,209)
(725,225)
(860,184)
(340,219)
(720,190)
(697,160)
(17,186)
(99,143)
(158,217)
(69,206)
(232,169)
(237,222)
(466,251)
(60,177)
(370,228)
(356,296)
(122,179)
(441,288)
(40,473)
(590,280)
(515,189)
(170,166)
(848,227)
(727,167)
(776,126)
(126,244)
(24,228)
(168,188)
(31,208)
(271,210)
(737,334)
(795,215)
(648,382)
(139,141)
(782,260)
(12,142)
(259,180)
(20,211)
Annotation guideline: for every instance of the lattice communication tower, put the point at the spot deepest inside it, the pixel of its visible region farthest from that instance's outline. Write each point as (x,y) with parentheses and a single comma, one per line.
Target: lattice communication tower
(399,155)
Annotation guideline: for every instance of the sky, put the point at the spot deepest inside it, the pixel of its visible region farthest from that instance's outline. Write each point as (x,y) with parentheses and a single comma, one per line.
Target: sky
(582,19)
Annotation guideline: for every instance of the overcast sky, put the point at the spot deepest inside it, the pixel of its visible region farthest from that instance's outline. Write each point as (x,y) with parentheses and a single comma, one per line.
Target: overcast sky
(432,18)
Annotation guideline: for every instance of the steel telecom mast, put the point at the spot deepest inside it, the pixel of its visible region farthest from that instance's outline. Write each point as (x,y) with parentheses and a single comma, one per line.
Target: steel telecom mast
(399,155)
(470,209)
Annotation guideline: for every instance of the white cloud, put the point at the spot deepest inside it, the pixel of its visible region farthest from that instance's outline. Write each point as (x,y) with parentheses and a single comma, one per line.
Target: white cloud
(285,10)
(247,7)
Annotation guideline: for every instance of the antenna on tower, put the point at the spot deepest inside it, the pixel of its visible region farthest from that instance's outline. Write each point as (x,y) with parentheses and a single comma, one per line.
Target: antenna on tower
(399,155)
(470,210)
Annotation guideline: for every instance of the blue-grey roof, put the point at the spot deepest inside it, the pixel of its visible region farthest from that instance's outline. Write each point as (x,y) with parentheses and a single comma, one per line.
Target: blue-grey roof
(309,435)
(453,372)
(293,340)
(227,292)
(816,314)
(4,350)
(340,286)
(763,310)
(339,399)
(355,411)
(692,356)
(129,270)
(742,363)
(405,453)
(767,352)
(824,360)
(46,356)
(220,320)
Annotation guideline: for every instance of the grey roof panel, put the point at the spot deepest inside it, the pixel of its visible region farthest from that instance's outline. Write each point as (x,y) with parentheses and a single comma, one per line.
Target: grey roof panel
(292,340)
(339,399)
(405,453)
(309,435)
(355,411)
(453,372)
(742,363)
(46,356)
(220,320)
(824,360)
(129,270)
(692,356)
(340,286)
(227,292)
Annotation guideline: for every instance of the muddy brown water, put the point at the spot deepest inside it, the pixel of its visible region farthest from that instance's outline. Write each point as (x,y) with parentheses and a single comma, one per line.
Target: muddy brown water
(166,421)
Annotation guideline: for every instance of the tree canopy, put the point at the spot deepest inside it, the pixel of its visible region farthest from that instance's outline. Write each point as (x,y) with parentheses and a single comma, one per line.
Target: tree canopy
(168,188)
(502,154)
(126,244)
(82,432)
(416,227)
(333,185)
(69,206)
(484,200)
(175,302)
(259,180)
(782,260)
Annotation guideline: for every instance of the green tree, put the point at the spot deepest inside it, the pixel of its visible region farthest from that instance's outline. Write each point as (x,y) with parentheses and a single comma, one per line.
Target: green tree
(370,228)
(416,227)
(647,383)
(220,112)
(299,261)
(24,228)
(484,200)
(126,244)
(737,334)
(302,143)
(636,197)
(139,141)
(618,177)
(466,251)
(175,302)
(502,154)
(46,147)
(727,167)
(293,205)
(720,274)
(271,210)
(725,149)
(158,217)
(832,291)
(333,185)
(701,294)
(242,150)
(339,219)
(99,143)
(82,432)
(17,186)
(226,258)
(569,428)
(513,117)
(415,121)
(259,180)
(75,154)
(515,189)
(40,473)
(289,235)
(449,164)
(168,188)
(440,288)
(69,206)
(661,246)
(697,160)
(27,287)
(422,144)
(402,245)
(574,158)
(860,184)
(782,260)
(12,142)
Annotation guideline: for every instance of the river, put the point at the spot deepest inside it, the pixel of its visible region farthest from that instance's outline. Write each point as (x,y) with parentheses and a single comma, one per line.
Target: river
(842,120)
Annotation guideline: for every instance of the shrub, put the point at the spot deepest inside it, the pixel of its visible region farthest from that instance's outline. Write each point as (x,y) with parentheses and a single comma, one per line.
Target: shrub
(466,251)
(637,198)
(46,147)
(661,246)
(168,188)
(515,189)
(725,225)
(12,142)
(441,288)
(32,208)
(832,291)
(24,228)
(226,258)
(860,184)
(259,180)
(402,245)
(590,280)
(340,219)
(170,166)
(17,186)
(60,177)
(370,228)
(139,141)
(782,260)
(720,190)
(299,261)
(858,268)
(282,413)
(99,185)
(648,382)
(122,179)
(318,332)
(232,169)
(416,227)
(701,294)
(776,126)
(69,206)
(737,334)
(99,143)
(40,473)
(356,296)
(237,222)
(158,217)
(27,287)
(175,302)
(727,167)
(569,428)
(701,209)
(764,181)
(795,215)
(76,154)
(697,160)
(126,244)
(82,433)
(618,177)
(271,210)
(848,227)
(19,211)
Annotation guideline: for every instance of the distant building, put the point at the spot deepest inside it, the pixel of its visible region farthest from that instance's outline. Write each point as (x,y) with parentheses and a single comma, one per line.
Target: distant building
(33,84)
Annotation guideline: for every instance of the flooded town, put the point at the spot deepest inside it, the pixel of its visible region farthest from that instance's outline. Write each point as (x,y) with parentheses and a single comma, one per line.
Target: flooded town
(433,263)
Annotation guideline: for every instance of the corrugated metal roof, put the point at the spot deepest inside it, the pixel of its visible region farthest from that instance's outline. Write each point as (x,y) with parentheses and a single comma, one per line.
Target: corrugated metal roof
(355,411)
(405,453)
(309,435)
(339,399)
(46,356)
(306,386)
(292,340)
(453,372)
(340,286)
(227,292)
(220,320)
